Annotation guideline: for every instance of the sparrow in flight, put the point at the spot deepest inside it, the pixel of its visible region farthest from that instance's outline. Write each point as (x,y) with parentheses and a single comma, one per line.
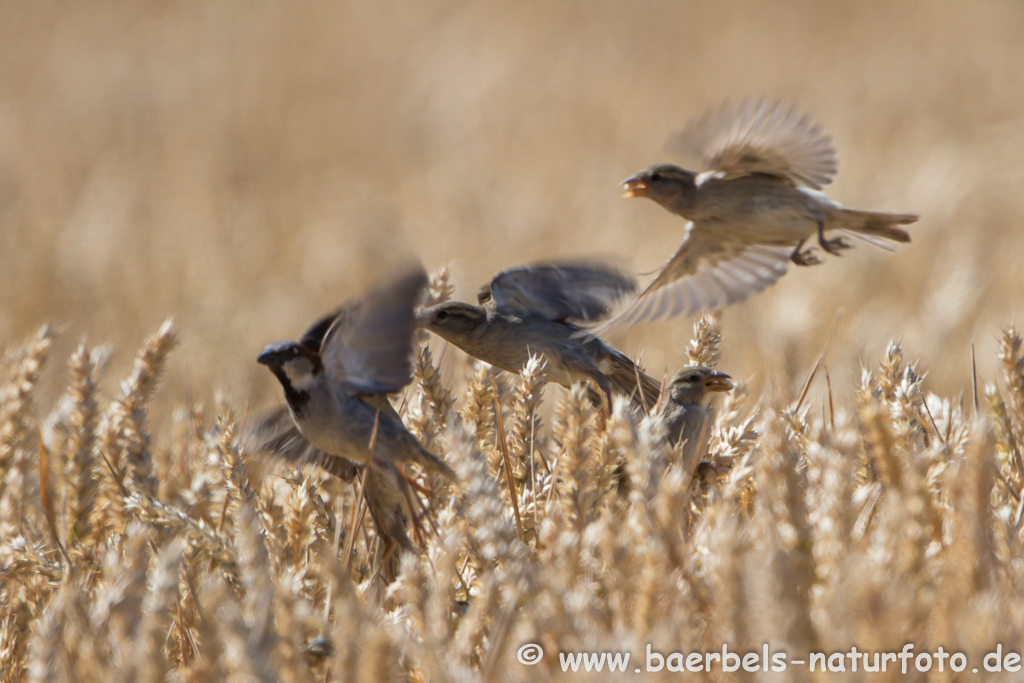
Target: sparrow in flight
(533,310)
(750,213)
(336,379)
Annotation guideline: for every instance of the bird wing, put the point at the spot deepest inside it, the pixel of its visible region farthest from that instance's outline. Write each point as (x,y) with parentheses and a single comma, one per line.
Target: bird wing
(313,338)
(705,273)
(759,136)
(275,433)
(626,376)
(581,290)
(369,346)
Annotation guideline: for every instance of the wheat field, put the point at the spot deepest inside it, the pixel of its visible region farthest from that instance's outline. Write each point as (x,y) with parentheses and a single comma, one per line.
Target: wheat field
(241,168)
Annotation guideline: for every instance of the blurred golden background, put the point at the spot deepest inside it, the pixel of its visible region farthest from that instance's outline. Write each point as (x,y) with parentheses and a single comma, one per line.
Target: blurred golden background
(246,166)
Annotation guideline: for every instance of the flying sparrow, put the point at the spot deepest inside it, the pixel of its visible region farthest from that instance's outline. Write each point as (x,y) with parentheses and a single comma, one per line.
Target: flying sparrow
(686,413)
(530,310)
(336,389)
(750,214)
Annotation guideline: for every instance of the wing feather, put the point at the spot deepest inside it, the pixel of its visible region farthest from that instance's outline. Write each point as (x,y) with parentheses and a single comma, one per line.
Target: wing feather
(313,338)
(370,345)
(759,136)
(701,276)
(581,290)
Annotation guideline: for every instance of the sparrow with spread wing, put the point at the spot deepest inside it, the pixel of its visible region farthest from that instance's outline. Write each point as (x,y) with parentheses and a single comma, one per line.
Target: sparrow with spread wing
(750,214)
(533,309)
(278,434)
(336,390)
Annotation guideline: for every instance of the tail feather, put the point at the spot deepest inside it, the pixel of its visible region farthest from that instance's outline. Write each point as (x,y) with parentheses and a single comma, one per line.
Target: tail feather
(874,241)
(877,224)
(388,508)
(430,462)
(624,376)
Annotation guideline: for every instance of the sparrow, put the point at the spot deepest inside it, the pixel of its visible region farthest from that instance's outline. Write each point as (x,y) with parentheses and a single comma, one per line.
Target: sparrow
(277,433)
(685,411)
(750,214)
(532,309)
(336,390)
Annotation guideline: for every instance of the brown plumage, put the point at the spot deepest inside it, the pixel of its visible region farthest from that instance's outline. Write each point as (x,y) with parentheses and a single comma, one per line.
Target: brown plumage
(686,412)
(750,214)
(535,309)
(336,381)
(365,350)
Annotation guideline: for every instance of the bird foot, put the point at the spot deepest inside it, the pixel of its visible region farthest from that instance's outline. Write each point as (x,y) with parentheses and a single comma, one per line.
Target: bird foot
(415,485)
(834,247)
(805,257)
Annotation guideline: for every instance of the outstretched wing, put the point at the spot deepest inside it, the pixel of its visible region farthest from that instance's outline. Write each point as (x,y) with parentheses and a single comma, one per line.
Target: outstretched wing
(703,274)
(370,344)
(759,136)
(582,290)
(313,338)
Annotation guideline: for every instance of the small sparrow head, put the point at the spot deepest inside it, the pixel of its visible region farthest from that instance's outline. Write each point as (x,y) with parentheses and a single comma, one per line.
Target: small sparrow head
(453,320)
(693,384)
(296,364)
(663,183)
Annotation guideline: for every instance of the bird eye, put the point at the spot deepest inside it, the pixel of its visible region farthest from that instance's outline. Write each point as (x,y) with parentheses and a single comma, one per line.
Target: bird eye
(693,377)
(441,315)
(656,177)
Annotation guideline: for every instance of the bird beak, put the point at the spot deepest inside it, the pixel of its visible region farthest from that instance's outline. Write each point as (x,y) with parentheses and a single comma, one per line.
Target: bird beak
(422,320)
(274,353)
(268,357)
(718,381)
(634,188)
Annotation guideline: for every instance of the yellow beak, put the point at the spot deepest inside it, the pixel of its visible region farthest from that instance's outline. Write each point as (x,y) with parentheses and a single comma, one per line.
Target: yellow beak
(719,381)
(634,188)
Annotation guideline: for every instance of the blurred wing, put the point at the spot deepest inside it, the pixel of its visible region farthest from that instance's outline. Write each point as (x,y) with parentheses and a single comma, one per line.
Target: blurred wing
(276,434)
(369,347)
(581,290)
(703,274)
(759,137)
(313,338)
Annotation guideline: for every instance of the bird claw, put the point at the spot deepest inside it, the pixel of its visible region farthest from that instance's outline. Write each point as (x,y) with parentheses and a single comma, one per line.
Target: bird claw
(834,247)
(415,485)
(804,258)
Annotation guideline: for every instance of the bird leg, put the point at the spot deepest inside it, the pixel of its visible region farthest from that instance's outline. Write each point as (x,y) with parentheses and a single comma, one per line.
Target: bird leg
(804,258)
(417,528)
(833,247)
(606,396)
(600,399)
(416,486)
